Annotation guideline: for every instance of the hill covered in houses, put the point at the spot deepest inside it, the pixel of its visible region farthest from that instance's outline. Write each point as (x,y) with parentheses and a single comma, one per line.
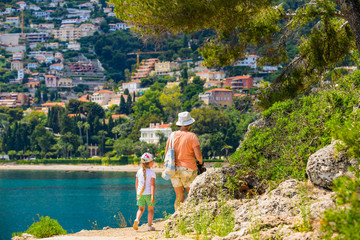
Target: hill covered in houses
(75,81)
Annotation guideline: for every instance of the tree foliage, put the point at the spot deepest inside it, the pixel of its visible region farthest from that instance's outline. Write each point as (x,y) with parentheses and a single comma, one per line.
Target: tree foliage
(262,25)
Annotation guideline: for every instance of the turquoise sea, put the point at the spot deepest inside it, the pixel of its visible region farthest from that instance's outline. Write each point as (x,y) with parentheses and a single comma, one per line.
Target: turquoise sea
(76,199)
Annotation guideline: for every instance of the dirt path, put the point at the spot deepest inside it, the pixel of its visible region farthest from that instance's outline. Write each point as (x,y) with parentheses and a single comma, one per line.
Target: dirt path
(118,234)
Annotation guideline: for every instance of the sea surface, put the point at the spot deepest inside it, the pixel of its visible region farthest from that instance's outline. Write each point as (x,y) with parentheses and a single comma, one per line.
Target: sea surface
(77,199)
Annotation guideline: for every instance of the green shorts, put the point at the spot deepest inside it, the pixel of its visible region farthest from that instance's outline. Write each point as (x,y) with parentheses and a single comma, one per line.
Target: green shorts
(144,199)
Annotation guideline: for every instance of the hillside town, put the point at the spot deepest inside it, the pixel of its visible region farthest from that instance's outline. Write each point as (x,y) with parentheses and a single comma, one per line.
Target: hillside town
(57,53)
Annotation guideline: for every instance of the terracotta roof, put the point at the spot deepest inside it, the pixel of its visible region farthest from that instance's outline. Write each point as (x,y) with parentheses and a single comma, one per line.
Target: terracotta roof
(57,64)
(104,91)
(76,115)
(164,125)
(240,77)
(12,17)
(49,76)
(116,116)
(52,104)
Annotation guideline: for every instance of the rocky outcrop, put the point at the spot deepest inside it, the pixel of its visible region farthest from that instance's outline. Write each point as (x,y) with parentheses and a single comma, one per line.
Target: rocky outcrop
(327,164)
(276,214)
(212,185)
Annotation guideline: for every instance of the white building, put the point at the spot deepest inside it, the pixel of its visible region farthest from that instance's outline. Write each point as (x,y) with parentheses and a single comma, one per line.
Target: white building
(118,26)
(102,97)
(150,135)
(42,14)
(249,61)
(211,76)
(20,74)
(133,86)
(74,45)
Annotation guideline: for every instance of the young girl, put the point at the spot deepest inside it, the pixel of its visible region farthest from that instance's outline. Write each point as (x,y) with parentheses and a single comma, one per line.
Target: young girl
(145,190)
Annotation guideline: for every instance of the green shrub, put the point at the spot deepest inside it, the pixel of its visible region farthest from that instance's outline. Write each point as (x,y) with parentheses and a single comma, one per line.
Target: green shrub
(45,227)
(295,129)
(343,222)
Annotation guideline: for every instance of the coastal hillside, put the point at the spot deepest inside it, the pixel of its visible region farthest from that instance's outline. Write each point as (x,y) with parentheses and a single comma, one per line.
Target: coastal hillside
(306,190)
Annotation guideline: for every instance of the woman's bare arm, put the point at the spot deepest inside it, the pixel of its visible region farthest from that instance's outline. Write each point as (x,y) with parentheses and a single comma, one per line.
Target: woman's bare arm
(198,154)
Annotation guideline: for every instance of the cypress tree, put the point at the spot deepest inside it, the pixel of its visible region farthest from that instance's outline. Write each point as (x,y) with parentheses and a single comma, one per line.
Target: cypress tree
(122,105)
(129,105)
(45,95)
(110,125)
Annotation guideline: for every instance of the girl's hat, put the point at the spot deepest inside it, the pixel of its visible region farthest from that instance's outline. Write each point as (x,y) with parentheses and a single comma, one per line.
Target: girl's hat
(146,157)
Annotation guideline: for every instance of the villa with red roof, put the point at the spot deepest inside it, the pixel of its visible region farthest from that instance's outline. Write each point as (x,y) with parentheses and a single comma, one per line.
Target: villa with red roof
(102,97)
(51,81)
(57,66)
(150,135)
(49,105)
(217,96)
(85,98)
(239,83)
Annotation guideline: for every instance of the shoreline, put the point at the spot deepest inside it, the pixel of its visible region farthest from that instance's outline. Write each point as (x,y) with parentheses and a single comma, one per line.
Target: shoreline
(82,167)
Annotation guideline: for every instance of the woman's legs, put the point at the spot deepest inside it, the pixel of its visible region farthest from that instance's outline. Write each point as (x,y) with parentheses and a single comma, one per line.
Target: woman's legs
(180,195)
(150,215)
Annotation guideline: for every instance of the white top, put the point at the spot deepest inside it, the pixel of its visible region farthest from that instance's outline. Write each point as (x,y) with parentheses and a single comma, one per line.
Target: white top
(140,176)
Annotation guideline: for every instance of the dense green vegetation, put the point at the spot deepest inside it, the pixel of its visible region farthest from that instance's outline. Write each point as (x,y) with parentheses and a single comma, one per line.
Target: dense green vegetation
(295,129)
(343,222)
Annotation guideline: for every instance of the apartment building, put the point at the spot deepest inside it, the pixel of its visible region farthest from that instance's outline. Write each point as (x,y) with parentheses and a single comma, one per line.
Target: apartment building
(166,68)
(239,82)
(82,67)
(144,69)
(211,76)
(249,61)
(14,99)
(37,37)
(67,33)
(217,96)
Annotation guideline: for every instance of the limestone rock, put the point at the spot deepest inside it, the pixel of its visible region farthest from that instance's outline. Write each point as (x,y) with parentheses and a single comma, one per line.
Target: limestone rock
(276,213)
(211,185)
(25,236)
(327,164)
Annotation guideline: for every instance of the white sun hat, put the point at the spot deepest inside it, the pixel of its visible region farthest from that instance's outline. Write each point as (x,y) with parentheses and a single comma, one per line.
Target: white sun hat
(184,119)
(146,157)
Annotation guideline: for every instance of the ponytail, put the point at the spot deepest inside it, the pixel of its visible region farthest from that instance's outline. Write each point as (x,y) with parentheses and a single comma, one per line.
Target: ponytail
(144,166)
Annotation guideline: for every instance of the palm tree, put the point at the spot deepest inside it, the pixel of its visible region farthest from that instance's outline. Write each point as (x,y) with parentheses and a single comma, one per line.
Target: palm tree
(102,133)
(70,148)
(226,148)
(116,130)
(87,127)
(80,125)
